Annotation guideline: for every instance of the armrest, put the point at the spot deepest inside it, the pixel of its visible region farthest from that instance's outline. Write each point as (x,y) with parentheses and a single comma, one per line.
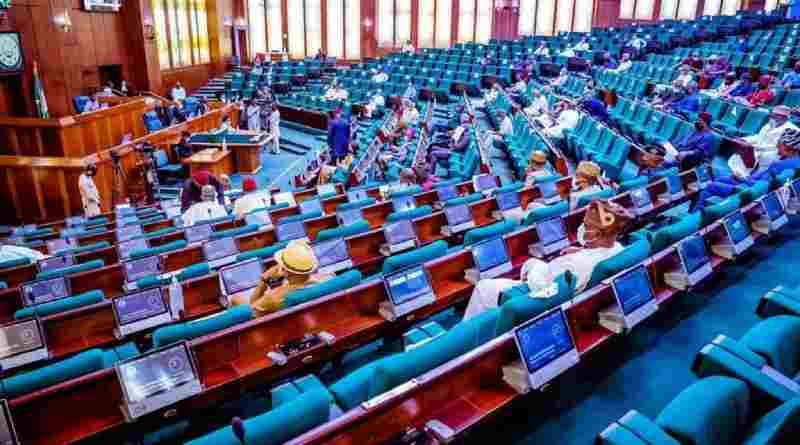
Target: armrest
(634,428)
(779,301)
(739,350)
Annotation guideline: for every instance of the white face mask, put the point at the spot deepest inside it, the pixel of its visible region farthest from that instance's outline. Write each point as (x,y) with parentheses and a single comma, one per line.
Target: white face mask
(581,235)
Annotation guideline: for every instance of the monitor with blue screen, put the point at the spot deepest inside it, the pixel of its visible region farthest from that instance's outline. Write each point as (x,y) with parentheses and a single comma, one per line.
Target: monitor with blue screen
(326,190)
(44,291)
(773,206)
(458,215)
(701,173)
(508,201)
(737,227)
(74,221)
(126,248)
(548,189)
(140,305)
(284,198)
(408,285)
(22,337)
(356,195)
(350,216)
(675,186)
(634,295)
(259,218)
(546,347)
(641,199)
(399,232)
(333,255)
(220,248)
(241,276)
(141,268)
(197,233)
(404,203)
(484,183)
(446,192)
(58,245)
(127,232)
(552,237)
(693,255)
(310,206)
(491,257)
(55,262)
(291,231)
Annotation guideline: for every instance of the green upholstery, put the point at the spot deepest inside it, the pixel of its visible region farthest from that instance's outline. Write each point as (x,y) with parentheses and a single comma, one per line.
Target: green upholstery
(87,248)
(250,228)
(589,197)
(62,305)
(344,281)
(513,187)
(518,307)
(495,230)
(418,212)
(777,339)
(355,205)
(356,228)
(279,425)
(755,191)
(633,184)
(16,262)
(174,245)
(406,191)
(221,219)
(781,300)
(262,253)
(712,411)
(287,392)
(646,429)
(83,267)
(629,257)
(546,212)
(779,426)
(193,271)
(672,233)
(159,232)
(716,212)
(301,217)
(464,200)
(432,251)
(198,328)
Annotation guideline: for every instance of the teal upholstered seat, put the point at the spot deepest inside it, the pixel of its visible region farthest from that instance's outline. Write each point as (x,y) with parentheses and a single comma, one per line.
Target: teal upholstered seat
(87,248)
(495,230)
(421,255)
(262,253)
(781,300)
(517,306)
(513,187)
(344,281)
(589,197)
(777,339)
(633,184)
(250,228)
(62,305)
(356,228)
(280,424)
(406,191)
(716,212)
(83,267)
(546,212)
(168,247)
(629,257)
(418,212)
(355,205)
(464,200)
(674,232)
(16,262)
(198,328)
(755,191)
(301,217)
(193,271)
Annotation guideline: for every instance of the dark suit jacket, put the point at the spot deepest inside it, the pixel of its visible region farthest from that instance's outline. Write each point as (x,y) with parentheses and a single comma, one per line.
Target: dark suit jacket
(339,137)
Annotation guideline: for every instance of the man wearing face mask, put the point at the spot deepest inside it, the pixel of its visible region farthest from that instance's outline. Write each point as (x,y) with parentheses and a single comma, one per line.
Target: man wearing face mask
(90,197)
(693,149)
(765,142)
(588,179)
(604,222)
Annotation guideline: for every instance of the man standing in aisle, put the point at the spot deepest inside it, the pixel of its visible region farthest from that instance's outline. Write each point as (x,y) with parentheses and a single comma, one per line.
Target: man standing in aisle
(275,129)
(338,135)
(90,197)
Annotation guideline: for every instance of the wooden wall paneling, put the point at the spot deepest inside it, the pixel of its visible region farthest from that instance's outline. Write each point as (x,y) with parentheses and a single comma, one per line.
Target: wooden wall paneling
(191,77)
(145,74)
(369,43)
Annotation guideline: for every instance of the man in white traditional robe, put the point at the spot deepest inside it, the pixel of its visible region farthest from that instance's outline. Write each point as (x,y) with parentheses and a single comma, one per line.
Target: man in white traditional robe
(90,197)
(208,208)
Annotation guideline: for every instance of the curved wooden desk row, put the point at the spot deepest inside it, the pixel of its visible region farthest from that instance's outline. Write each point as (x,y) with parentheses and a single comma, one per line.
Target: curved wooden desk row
(470,389)
(76,135)
(54,180)
(234,361)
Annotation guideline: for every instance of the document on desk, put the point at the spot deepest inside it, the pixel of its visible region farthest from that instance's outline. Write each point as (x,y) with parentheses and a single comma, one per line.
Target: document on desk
(672,153)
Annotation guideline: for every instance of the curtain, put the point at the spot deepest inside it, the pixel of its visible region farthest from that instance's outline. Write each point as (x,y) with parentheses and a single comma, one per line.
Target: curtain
(711,7)
(483,21)
(258,25)
(626,9)
(444,12)
(385,23)
(644,9)
(668,8)
(545,17)
(583,15)
(564,9)
(274,25)
(527,17)
(202,27)
(160,18)
(730,7)
(313,27)
(353,28)
(770,5)
(296,29)
(182,15)
(335,28)
(687,9)
(403,22)
(466,21)
(425,23)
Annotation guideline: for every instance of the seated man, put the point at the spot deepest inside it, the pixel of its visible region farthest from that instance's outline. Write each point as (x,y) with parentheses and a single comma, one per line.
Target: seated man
(376,101)
(745,87)
(93,104)
(379,76)
(692,150)
(505,128)
(684,75)
(588,179)
(595,106)
(410,115)
(608,61)
(765,142)
(717,67)
(725,88)
(251,200)
(542,50)
(566,119)
(604,223)
(192,188)
(689,105)
(624,65)
(561,79)
(538,105)
(458,142)
(762,96)
(693,61)
(9,252)
(207,208)
(637,43)
(178,92)
(791,80)
(295,269)
(538,167)
(788,158)
(335,92)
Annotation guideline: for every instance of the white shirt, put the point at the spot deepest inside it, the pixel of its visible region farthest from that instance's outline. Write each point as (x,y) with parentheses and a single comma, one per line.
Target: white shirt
(519,87)
(624,66)
(542,51)
(248,203)
(567,120)
(253,117)
(336,94)
(506,127)
(90,197)
(569,52)
(411,116)
(9,252)
(684,79)
(203,211)
(380,77)
(581,46)
(178,93)
(538,106)
(638,43)
(767,138)
(275,122)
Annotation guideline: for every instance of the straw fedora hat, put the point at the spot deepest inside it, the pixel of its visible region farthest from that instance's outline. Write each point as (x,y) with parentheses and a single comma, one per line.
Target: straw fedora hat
(297,258)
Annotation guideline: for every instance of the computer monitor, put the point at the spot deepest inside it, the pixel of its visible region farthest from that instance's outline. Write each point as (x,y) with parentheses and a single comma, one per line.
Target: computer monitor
(641,199)
(326,189)
(491,257)
(220,248)
(259,217)
(127,232)
(796,188)
(404,203)
(72,221)
(350,216)
(408,284)
(141,305)
(546,347)
(399,232)
(21,338)
(157,379)
(8,433)
(458,215)
(57,245)
(552,235)
(675,185)
(737,227)
(141,268)
(356,195)
(333,255)
(773,207)
(634,296)
(508,201)
(548,189)
(55,262)
(701,172)
(240,276)
(694,259)
(484,183)
(127,221)
(291,231)
(126,248)
(45,291)
(197,233)
(124,210)
(285,197)
(446,192)
(310,206)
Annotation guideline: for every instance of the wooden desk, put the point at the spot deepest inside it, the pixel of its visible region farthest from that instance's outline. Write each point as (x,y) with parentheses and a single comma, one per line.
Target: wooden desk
(245,145)
(217,162)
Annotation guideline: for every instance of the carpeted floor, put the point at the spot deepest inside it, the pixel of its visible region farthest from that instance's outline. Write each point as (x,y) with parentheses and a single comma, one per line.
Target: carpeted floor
(648,368)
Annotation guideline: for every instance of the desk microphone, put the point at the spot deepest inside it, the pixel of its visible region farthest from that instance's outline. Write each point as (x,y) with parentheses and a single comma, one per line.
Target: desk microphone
(238,429)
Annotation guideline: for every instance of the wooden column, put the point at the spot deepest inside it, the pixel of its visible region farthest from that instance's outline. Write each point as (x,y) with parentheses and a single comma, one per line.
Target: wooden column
(143,45)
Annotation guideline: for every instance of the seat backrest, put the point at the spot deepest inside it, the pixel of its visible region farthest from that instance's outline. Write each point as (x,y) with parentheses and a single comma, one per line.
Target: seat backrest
(346,280)
(343,231)
(417,256)
(495,230)
(198,328)
(628,257)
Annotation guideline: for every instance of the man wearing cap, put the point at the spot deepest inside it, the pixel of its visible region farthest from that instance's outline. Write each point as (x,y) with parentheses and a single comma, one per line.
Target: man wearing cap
(603,223)
(690,104)
(763,94)
(251,200)
(787,159)
(295,269)
(588,179)
(765,142)
(537,168)
(90,197)
(193,186)
(791,80)
(745,87)
(208,208)
(567,119)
